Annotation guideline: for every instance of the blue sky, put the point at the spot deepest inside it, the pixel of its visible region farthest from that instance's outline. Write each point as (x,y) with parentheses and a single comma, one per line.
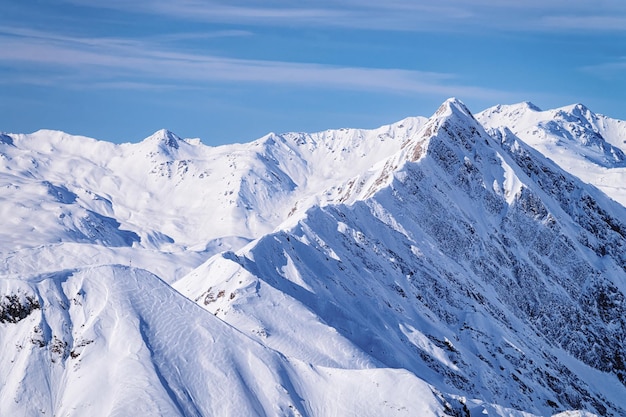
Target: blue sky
(231,71)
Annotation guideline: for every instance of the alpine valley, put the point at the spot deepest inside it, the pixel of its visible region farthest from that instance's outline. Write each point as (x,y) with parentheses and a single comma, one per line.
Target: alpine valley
(457,265)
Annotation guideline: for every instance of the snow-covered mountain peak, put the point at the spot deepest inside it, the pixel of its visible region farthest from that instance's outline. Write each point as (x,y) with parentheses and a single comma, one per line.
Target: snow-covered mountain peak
(578,111)
(574,136)
(453,122)
(46,142)
(514,112)
(576,117)
(452,114)
(524,105)
(166,141)
(452,105)
(531,106)
(452,136)
(456,143)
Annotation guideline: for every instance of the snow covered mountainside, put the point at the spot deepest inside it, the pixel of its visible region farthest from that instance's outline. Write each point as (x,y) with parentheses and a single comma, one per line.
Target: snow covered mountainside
(588,145)
(165,195)
(440,266)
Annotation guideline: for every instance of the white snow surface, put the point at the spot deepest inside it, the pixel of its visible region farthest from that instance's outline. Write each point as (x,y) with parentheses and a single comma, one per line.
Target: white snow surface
(452,265)
(588,145)
(113,340)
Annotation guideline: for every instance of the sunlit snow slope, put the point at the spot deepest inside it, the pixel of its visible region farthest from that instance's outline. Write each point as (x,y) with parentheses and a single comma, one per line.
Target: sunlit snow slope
(440,266)
(118,341)
(588,145)
(165,195)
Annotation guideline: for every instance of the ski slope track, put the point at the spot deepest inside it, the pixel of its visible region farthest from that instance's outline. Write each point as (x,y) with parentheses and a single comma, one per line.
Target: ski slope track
(456,265)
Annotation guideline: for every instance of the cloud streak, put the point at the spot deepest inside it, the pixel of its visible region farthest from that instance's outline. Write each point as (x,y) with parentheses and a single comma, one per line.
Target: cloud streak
(608,70)
(589,23)
(89,62)
(404,15)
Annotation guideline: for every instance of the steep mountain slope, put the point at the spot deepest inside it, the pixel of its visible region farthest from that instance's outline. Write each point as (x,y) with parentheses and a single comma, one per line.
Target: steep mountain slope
(478,265)
(589,145)
(428,267)
(119,341)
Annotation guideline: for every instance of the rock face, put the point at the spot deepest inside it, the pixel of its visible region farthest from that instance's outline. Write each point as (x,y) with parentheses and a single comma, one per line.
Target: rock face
(432,266)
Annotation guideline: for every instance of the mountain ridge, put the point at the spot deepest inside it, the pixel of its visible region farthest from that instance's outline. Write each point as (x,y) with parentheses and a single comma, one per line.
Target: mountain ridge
(443,266)
(526,210)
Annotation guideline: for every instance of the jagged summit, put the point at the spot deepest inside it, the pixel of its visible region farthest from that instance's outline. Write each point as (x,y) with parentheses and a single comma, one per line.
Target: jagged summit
(452,138)
(450,119)
(578,114)
(577,109)
(166,139)
(531,106)
(451,106)
(454,110)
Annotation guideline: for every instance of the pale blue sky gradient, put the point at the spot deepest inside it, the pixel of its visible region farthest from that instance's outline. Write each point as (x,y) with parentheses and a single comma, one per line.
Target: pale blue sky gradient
(231,71)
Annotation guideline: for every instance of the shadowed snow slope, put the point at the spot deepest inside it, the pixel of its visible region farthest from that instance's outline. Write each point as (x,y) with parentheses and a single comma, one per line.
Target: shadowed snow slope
(435,267)
(480,266)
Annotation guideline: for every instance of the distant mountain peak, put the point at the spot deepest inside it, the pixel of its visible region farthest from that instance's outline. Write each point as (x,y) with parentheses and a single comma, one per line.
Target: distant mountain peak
(519,109)
(531,106)
(166,138)
(579,107)
(576,113)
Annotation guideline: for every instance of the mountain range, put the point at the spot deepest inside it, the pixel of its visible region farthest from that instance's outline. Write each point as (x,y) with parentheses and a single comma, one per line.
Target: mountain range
(457,265)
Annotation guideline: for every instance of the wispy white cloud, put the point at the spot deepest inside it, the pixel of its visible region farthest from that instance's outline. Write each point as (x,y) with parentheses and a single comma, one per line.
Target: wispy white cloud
(407,15)
(185,36)
(608,69)
(588,22)
(124,63)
